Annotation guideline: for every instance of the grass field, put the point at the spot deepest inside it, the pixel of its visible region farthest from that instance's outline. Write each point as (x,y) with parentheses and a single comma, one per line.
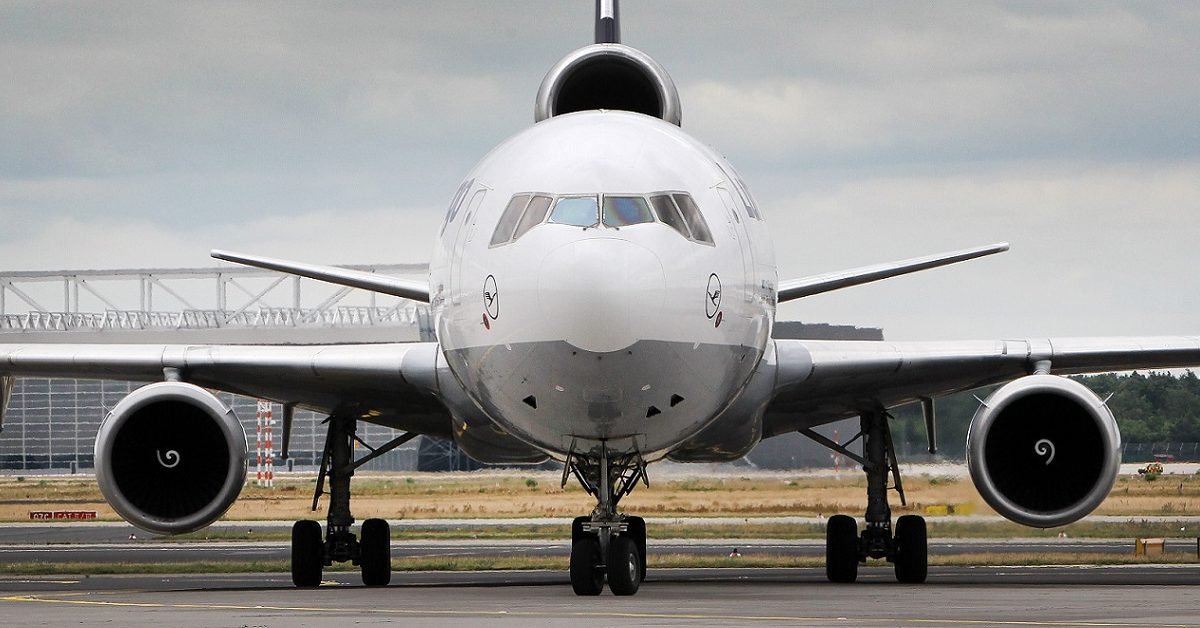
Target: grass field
(493,494)
(514,494)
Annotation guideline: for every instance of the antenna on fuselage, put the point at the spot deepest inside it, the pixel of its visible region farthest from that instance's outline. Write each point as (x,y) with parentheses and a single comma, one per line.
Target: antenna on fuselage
(608,22)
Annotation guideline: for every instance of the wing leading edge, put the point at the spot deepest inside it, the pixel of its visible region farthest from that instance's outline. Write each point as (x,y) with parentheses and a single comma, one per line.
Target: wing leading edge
(390,384)
(817,284)
(819,382)
(383,284)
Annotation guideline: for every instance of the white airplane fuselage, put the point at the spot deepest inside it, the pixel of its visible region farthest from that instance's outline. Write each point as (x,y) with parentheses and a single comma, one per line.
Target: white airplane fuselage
(609,317)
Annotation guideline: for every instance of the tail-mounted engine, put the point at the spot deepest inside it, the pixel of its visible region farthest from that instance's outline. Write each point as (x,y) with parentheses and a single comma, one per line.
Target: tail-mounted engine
(608,76)
(171,458)
(1044,451)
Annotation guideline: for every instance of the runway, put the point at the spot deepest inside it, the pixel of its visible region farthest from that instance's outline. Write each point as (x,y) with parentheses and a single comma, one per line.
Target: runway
(110,543)
(954,596)
(1139,595)
(178,552)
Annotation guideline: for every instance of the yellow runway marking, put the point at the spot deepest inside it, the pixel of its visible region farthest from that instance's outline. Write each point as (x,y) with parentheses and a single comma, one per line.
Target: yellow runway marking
(887,621)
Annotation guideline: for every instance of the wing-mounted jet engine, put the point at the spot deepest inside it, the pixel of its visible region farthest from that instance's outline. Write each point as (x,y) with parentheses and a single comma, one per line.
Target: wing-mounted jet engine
(1044,450)
(171,458)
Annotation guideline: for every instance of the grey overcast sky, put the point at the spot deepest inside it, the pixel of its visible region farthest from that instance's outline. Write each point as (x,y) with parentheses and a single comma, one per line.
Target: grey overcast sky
(145,134)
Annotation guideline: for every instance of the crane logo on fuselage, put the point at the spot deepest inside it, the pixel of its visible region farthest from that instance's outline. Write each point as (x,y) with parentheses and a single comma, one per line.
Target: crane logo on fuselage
(713,301)
(491,298)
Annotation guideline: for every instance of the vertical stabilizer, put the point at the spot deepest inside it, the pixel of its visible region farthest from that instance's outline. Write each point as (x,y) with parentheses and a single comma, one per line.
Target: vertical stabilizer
(608,22)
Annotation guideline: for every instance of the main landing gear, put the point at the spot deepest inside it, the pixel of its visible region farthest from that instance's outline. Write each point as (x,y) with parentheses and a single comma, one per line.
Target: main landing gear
(371,550)
(607,544)
(845,548)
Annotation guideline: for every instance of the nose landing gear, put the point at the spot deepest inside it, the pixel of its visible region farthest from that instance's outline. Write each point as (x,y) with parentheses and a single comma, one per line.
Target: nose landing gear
(607,544)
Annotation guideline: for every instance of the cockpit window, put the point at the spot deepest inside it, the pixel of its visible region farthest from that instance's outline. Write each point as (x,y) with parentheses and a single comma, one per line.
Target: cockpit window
(580,211)
(667,213)
(534,215)
(693,217)
(508,220)
(527,210)
(620,211)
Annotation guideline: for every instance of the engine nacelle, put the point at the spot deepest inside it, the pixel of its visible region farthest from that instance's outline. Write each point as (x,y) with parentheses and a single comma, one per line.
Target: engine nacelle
(608,76)
(1044,451)
(171,458)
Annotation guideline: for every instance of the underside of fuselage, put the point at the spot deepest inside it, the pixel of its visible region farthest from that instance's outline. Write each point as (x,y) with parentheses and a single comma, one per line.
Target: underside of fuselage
(647,397)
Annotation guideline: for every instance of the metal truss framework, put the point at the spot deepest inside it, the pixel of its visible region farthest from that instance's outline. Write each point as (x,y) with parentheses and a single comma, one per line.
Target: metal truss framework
(195,298)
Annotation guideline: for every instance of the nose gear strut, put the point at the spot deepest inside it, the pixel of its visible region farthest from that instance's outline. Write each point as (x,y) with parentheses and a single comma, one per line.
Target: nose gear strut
(607,543)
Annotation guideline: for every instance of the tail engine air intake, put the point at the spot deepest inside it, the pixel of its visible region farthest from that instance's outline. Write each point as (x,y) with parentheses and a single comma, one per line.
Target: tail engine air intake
(1044,451)
(608,76)
(171,458)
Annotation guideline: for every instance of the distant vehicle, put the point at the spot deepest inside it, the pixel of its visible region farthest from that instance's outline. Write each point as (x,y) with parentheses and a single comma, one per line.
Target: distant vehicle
(1155,468)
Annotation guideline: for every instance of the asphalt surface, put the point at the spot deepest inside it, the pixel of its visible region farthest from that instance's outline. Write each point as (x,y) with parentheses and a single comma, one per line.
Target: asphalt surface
(1162,595)
(953,596)
(108,543)
(177,552)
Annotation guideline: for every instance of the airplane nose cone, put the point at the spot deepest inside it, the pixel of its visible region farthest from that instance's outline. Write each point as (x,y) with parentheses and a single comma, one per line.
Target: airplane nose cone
(601,294)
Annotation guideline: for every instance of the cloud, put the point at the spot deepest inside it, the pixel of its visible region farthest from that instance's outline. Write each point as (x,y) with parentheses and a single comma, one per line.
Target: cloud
(1094,251)
(336,236)
(146,133)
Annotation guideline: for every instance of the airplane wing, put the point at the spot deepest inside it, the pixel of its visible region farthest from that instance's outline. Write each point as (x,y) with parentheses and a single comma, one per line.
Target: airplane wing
(819,382)
(389,384)
(828,282)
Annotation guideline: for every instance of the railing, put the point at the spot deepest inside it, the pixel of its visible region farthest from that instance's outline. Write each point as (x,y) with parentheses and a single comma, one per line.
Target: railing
(341,316)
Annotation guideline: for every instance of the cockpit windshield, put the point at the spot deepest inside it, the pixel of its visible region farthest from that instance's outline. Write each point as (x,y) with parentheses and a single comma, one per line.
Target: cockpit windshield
(620,211)
(527,210)
(579,211)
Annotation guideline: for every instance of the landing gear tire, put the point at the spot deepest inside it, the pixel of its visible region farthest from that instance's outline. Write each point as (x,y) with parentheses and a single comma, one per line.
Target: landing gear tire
(308,553)
(376,548)
(624,566)
(912,550)
(637,532)
(841,549)
(587,571)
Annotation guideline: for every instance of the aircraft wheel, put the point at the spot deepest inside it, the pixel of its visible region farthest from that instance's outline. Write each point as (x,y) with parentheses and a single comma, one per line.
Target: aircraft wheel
(308,553)
(912,550)
(637,532)
(577,532)
(587,573)
(376,553)
(624,566)
(841,549)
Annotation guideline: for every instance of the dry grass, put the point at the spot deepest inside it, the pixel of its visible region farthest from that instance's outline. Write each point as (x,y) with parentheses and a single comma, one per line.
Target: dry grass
(524,494)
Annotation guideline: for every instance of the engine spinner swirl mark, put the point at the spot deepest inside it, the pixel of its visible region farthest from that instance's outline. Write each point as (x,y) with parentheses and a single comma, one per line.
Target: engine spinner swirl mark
(1044,447)
(172,458)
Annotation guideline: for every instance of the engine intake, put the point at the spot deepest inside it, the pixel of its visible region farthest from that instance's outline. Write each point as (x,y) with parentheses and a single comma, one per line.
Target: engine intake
(171,458)
(1044,451)
(608,76)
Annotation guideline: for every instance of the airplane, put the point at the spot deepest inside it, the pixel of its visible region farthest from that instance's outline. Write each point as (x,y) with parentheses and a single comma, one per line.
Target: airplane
(604,288)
